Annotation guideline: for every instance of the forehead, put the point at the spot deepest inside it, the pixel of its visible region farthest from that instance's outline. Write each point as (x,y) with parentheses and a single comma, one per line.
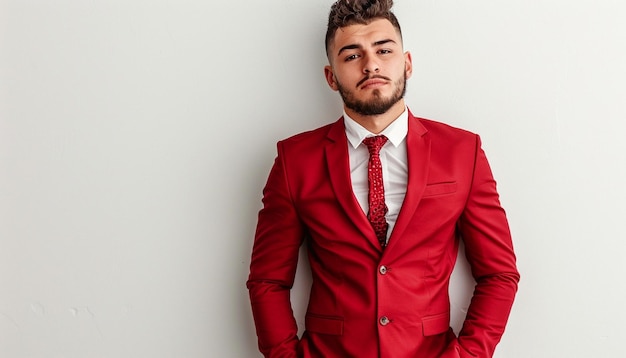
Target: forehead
(365,34)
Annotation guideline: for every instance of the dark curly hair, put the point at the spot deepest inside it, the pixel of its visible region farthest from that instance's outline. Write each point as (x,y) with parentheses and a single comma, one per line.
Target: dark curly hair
(349,12)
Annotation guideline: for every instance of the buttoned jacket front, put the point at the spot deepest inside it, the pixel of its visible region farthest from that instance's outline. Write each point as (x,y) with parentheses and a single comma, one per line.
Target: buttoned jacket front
(368,302)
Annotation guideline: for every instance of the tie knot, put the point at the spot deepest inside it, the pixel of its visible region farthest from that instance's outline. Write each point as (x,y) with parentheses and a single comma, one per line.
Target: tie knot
(375,143)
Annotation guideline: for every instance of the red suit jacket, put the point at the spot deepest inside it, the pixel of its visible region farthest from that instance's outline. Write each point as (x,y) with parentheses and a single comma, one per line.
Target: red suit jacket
(368,302)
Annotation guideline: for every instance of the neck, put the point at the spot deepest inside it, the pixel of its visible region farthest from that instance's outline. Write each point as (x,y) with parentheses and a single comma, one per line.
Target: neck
(377,123)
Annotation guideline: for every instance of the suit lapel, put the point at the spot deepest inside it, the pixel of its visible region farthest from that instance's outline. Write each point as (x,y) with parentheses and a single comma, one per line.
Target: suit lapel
(338,166)
(418,156)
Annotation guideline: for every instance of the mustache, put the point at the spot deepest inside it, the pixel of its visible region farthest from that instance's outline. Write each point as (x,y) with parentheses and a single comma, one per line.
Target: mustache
(371,77)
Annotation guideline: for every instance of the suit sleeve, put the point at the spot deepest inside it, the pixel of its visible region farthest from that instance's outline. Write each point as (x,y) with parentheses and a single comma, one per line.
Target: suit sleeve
(279,234)
(489,249)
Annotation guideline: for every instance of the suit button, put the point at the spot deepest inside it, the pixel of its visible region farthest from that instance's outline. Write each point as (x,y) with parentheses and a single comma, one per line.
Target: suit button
(384,321)
(383,270)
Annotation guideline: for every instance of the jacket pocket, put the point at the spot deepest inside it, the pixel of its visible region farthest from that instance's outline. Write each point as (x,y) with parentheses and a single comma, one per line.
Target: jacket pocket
(323,324)
(436,324)
(439,189)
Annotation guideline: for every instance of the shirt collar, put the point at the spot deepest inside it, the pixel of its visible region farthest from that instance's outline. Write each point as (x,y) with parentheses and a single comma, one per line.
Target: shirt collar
(395,132)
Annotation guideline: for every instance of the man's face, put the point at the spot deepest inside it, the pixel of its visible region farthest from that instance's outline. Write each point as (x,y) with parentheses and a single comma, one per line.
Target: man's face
(368,67)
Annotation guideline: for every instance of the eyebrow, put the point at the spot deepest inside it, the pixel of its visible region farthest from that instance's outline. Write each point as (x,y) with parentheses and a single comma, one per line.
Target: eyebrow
(355,46)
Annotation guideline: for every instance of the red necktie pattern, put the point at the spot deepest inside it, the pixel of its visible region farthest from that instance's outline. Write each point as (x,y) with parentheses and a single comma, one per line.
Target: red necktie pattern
(376,195)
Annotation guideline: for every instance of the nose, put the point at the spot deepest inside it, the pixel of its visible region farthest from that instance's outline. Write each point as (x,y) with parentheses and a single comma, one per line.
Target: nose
(370,65)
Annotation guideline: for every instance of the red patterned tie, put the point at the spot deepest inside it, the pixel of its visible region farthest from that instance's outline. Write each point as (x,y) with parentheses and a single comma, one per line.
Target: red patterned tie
(376,196)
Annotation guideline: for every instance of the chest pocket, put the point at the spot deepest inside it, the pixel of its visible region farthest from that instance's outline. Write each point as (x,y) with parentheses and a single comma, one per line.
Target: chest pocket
(440,189)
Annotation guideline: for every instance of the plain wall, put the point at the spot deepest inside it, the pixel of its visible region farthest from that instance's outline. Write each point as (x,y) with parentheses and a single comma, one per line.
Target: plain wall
(136,137)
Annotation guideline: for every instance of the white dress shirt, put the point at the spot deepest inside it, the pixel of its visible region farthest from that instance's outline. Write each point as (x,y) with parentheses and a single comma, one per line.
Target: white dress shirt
(393,158)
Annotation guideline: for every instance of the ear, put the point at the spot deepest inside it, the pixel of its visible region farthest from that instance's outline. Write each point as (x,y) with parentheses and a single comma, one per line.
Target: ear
(330,77)
(408,64)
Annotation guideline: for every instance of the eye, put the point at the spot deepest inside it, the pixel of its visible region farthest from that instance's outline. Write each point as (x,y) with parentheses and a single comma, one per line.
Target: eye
(384,51)
(351,57)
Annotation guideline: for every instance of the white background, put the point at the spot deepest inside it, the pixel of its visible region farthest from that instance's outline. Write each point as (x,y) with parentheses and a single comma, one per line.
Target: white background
(136,137)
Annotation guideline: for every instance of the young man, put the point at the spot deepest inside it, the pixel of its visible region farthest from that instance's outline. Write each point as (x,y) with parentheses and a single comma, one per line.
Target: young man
(381,199)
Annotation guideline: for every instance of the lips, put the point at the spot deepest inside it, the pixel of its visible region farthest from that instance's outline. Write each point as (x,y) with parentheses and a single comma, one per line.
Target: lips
(373,82)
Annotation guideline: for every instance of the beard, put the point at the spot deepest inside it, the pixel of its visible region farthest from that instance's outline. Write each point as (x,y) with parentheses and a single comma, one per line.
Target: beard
(378,104)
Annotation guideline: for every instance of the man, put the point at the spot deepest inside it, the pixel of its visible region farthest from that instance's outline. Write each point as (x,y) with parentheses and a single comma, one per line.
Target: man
(381,199)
